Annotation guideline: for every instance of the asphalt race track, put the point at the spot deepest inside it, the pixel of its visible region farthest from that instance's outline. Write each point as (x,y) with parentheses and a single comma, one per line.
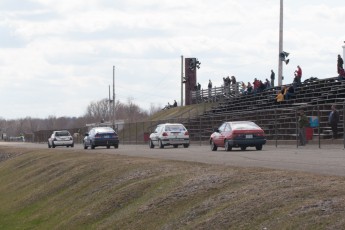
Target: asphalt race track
(329,160)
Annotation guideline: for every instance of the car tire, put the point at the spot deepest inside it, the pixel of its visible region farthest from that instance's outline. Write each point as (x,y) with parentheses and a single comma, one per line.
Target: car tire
(116,146)
(72,146)
(185,145)
(49,145)
(175,146)
(108,146)
(53,146)
(258,147)
(161,144)
(92,145)
(243,148)
(85,146)
(213,146)
(227,146)
(151,145)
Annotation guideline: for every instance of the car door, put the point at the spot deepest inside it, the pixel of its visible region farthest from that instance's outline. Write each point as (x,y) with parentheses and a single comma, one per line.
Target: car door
(218,137)
(88,137)
(155,135)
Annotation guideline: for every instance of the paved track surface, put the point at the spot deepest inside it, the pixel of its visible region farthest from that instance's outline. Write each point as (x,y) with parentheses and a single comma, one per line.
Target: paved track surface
(328,160)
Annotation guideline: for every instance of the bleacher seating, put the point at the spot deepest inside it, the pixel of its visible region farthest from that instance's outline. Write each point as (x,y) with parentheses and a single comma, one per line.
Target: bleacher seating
(277,119)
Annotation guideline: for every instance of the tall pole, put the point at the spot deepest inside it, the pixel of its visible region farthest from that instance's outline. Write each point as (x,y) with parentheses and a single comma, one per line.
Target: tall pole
(280,62)
(181,80)
(114,97)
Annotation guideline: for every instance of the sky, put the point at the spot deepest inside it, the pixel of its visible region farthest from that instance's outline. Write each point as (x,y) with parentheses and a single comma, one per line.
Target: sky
(57,56)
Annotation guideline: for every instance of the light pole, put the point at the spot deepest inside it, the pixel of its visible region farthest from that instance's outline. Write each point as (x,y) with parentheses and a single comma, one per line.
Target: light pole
(280,61)
(181,80)
(113,97)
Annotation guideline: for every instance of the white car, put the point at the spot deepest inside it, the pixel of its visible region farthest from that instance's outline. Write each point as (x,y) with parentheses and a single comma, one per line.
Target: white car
(60,138)
(169,134)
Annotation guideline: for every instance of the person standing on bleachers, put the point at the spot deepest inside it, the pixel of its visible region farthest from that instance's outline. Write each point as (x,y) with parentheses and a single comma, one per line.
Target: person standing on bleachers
(303,123)
(273,75)
(298,75)
(333,120)
(209,86)
(340,63)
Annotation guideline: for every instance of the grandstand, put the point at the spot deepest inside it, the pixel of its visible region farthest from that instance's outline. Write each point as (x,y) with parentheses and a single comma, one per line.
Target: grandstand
(279,120)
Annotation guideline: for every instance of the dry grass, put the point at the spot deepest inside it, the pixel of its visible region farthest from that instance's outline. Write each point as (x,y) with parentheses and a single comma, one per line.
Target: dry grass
(57,189)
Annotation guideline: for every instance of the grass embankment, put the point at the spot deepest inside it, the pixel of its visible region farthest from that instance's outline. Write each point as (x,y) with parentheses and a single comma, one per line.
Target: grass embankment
(56,189)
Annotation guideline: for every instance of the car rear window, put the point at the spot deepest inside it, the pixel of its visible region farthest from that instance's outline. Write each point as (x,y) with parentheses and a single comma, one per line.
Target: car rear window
(105,129)
(62,134)
(175,128)
(244,126)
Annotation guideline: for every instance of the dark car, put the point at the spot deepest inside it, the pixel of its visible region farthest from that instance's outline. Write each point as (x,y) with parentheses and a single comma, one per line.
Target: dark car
(101,136)
(238,134)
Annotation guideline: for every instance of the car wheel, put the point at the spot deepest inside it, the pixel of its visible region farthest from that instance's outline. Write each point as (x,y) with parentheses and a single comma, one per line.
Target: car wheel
(258,147)
(151,145)
(72,145)
(243,148)
(108,147)
(227,146)
(175,146)
(49,145)
(53,144)
(92,145)
(116,146)
(213,146)
(185,145)
(85,146)
(161,144)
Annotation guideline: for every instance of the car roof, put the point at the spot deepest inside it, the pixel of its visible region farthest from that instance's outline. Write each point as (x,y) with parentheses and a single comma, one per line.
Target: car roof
(170,124)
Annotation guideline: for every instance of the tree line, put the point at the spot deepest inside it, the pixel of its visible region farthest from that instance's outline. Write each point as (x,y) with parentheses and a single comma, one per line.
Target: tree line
(95,112)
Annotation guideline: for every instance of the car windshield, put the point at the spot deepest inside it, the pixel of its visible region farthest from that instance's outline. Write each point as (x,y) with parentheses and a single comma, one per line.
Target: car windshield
(244,126)
(175,128)
(62,134)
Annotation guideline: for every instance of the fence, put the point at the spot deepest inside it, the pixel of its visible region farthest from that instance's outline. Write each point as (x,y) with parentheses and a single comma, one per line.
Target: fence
(280,125)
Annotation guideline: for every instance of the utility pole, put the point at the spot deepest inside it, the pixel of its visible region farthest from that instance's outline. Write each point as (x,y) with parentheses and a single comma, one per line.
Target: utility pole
(280,62)
(181,80)
(113,97)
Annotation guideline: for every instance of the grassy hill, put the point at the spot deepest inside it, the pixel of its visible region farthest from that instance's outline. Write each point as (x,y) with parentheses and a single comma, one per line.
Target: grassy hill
(188,111)
(58,189)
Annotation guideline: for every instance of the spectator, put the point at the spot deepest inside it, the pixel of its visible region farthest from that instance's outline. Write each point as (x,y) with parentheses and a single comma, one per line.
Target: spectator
(340,63)
(303,122)
(267,84)
(262,86)
(168,106)
(175,103)
(298,76)
(249,88)
(233,80)
(333,120)
(209,88)
(272,77)
(243,88)
(234,85)
(280,95)
(341,74)
(290,92)
(256,85)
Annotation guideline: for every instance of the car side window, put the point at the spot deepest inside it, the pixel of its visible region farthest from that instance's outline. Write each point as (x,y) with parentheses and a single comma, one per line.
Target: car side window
(222,127)
(157,130)
(227,128)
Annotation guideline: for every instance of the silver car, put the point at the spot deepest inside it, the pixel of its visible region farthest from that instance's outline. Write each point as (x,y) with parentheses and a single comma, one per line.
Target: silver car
(169,134)
(60,138)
